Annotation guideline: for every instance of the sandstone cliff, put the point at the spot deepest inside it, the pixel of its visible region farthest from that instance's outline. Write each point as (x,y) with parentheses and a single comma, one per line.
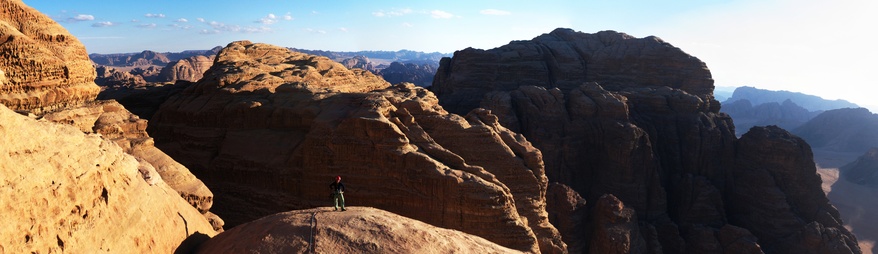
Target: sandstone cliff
(418,74)
(188,69)
(39,62)
(267,129)
(44,67)
(358,230)
(114,123)
(635,118)
(65,191)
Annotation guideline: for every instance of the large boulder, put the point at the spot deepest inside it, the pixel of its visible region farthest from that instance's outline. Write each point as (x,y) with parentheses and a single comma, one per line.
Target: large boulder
(43,66)
(267,129)
(632,117)
(65,191)
(358,230)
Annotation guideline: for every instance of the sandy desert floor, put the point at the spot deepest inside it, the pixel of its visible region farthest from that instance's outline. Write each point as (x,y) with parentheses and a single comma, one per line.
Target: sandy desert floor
(857,204)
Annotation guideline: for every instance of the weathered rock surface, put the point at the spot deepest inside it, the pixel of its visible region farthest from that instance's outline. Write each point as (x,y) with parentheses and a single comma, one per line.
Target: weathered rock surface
(358,230)
(863,171)
(842,130)
(267,129)
(142,100)
(418,74)
(111,77)
(65,191)
(188,69)
(776,194)
(114,123)
(635,118)
(359,62)
(567,211)
(44,67)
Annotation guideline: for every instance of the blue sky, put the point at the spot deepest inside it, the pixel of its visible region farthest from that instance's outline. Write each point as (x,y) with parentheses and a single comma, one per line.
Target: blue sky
(813,46)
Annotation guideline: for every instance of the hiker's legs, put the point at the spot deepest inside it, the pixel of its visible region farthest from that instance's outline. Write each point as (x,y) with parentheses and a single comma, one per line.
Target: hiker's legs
(335,201)
(341,198)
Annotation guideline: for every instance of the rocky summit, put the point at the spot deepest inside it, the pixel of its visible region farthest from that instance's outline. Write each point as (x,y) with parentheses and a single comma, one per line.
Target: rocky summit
(635,118)
(268,129)
(358,230)
(44,67)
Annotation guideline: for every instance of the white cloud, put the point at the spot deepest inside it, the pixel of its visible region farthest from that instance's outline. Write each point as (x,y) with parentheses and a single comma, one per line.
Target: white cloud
(205,31)
(182,20)
(343,29)
(81,17)
(315,12)
(407,24)
(200,19)
(151,15)
(134,20)
(437,14)
(268,19)
(288,16)
(102,24)
(494,12)
(150,25)
(392,12)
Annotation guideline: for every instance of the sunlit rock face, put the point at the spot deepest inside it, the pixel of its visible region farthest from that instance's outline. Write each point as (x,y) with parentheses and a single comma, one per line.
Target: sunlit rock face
(43,66)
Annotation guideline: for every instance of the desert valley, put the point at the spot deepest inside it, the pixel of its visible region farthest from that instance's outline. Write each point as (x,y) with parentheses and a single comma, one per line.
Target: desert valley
(569,142)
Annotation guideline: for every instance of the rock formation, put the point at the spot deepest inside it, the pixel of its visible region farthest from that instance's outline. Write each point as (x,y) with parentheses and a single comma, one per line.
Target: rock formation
(358,230)
(111,77)
(863,171)
(142,100)
(812,103)
(65,191)
(567,211)
(188,69)
(842,130)
(114,123)
(786,115)
(418,74)
(267,129)
(635,118)
(52,68)
(44,67)
(359,62)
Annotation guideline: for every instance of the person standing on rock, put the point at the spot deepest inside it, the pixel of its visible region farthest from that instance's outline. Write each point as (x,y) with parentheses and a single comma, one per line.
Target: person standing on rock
(337,193)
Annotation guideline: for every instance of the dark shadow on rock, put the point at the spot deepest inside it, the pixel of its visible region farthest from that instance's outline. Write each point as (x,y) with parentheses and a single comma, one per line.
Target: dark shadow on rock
(191,243)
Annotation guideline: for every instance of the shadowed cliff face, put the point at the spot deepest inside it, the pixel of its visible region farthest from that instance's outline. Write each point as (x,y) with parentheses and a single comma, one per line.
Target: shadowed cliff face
(268,129)
(635,118)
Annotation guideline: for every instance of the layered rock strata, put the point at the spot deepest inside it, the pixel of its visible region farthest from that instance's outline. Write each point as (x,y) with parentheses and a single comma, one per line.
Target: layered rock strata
(635,118)
(267,129)
(44,67)
(188,69)
(65,191)
(358,230)
(114,123)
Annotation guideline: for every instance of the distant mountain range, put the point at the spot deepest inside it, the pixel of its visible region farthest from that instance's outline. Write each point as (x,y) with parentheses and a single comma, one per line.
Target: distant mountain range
(750,106)
(381,57)
(148,57)
(758,96)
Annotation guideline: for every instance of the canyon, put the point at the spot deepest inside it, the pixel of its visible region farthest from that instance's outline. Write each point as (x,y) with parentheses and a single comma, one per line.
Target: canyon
(567,143)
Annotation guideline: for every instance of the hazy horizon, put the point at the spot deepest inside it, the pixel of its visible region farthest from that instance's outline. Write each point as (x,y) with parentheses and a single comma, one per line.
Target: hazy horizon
(812,47)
